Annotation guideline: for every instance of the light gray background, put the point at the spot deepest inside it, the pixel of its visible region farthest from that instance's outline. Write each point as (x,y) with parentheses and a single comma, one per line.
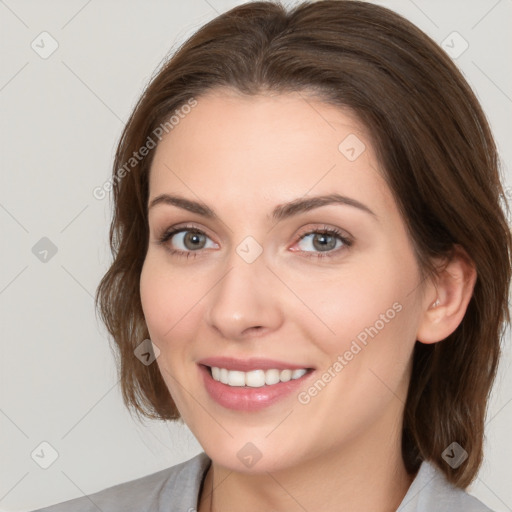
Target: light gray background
(61,119)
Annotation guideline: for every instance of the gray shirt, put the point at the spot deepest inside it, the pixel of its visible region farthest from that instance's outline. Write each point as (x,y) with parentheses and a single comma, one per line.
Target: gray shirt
(176,489)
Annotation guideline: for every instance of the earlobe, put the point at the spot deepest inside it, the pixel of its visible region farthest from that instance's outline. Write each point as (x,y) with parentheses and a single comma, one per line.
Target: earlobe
(452,292)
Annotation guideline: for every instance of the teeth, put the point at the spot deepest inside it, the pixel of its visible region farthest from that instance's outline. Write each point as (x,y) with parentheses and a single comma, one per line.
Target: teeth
(285,375)
(255,378)
(297,374)
(236,378)
(272,377)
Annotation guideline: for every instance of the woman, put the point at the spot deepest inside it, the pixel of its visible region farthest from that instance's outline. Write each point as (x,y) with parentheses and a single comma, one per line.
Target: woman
(308,229)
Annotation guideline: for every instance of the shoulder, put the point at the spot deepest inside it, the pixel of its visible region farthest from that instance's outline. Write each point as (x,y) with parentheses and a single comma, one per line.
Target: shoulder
(174,488)
(431,491)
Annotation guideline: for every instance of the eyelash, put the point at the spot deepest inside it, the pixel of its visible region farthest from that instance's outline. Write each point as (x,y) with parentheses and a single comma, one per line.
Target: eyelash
(167,235)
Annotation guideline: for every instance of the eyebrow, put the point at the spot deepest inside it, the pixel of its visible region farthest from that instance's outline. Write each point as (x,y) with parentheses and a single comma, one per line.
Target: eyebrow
(279,213)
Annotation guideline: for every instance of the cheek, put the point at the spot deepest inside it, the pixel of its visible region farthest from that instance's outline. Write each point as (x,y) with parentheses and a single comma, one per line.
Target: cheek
(365,363)
(169,299)
(363,321)
(345,307)
(373,314)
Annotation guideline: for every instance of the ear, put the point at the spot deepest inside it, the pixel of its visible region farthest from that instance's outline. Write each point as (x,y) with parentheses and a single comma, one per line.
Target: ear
(447,299)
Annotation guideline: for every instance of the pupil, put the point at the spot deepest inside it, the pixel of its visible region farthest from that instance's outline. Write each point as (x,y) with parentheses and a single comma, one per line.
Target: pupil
(323,244)
(194,238)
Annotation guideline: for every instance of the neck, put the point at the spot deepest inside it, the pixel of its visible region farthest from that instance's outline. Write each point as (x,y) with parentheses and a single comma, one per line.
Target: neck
(344,479)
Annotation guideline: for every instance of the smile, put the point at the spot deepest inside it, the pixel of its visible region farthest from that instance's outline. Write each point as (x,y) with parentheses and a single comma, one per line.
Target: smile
(255,378)
(253,388)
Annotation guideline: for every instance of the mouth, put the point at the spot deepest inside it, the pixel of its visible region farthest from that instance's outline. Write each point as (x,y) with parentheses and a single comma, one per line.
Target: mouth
(260,385)
(255,378)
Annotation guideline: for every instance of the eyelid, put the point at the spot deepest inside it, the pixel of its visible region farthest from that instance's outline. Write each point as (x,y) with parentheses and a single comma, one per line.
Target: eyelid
(319,227)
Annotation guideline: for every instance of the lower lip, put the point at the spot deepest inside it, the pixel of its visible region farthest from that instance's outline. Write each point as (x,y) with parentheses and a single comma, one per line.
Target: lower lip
(247,398)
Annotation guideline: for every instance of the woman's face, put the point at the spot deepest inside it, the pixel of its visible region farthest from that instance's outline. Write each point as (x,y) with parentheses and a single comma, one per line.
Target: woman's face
(329,286)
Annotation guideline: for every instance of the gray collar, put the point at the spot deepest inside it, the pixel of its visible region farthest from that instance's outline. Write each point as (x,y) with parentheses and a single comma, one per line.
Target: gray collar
(429,492)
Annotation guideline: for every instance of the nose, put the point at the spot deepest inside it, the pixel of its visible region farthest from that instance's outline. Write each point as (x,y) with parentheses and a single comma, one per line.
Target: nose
(245,301)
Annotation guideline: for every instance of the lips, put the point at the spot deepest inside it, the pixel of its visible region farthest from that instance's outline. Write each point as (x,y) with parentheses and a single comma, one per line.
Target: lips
(246,398)
(247,365)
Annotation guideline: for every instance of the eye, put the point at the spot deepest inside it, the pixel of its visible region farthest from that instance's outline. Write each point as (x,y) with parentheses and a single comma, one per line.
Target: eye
(326,240)
(188,241)
(185,241)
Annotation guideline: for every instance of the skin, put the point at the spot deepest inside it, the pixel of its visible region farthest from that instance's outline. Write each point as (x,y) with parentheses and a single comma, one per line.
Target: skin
(242,156)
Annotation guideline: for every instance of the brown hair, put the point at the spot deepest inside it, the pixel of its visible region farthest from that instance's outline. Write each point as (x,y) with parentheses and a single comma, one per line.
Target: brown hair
(439,159)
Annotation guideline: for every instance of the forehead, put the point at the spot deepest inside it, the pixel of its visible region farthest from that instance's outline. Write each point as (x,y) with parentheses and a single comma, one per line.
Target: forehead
(268,148)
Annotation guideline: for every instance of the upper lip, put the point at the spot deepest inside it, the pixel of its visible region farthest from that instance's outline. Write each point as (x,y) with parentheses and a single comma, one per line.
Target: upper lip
(247,365)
